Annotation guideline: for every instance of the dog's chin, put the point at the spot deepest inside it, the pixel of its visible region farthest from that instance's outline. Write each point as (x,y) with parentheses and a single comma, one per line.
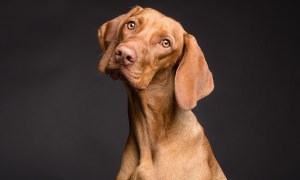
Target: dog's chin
(135,82)
(115,74)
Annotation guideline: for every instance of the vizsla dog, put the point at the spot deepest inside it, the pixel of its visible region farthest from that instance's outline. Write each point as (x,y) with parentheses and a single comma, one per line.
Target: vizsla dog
(165,74)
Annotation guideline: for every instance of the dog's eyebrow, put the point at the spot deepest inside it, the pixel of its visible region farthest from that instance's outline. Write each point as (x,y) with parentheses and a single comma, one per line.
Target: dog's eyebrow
(136,18)
(170,35)
(133,16)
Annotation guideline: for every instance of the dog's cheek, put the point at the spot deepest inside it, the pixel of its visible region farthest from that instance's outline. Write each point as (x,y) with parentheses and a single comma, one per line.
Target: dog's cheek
(149,76)
(173,58)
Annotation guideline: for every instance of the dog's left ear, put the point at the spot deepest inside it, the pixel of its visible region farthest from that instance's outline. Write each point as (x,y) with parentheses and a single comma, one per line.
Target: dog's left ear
(193,80)
(108,36)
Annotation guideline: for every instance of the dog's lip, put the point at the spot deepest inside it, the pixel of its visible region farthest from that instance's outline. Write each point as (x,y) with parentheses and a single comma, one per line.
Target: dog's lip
(126,72)
(122,72)
(119,72)
(115,74)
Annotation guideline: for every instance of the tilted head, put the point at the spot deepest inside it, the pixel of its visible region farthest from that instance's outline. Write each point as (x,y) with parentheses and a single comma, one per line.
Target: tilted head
(143,42)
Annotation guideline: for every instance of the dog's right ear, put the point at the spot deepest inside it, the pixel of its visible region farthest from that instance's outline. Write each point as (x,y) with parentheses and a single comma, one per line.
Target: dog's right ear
(108,32)
(108,36)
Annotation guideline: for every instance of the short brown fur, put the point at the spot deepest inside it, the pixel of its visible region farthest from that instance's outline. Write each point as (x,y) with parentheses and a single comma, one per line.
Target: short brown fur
(164,83)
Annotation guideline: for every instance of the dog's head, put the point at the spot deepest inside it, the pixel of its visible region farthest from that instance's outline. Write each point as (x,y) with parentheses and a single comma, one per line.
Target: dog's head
(143,42)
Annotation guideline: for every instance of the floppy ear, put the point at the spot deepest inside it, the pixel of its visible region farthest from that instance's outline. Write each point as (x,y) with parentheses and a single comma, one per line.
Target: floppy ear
(108,36)
(193,79)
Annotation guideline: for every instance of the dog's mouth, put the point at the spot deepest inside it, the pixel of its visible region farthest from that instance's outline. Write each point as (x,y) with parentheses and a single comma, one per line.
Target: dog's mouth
(124,73)
(115,73)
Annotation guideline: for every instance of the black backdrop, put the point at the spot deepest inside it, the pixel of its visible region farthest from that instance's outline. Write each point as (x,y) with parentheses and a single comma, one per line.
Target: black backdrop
(60,119)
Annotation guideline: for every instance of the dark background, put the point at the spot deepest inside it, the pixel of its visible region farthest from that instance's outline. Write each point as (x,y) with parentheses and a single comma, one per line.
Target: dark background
(61,119)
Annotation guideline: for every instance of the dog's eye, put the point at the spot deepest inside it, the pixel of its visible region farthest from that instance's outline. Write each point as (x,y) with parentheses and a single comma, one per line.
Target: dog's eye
(130,25)
(165,43)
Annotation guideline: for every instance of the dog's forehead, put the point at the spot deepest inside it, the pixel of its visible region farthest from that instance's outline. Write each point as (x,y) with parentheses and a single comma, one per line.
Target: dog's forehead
(159,20)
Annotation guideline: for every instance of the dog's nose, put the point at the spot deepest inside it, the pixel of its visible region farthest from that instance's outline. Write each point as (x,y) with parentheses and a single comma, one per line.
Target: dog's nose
(125,55)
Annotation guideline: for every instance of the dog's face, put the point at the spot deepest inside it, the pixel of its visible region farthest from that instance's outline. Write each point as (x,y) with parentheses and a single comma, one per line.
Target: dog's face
(146,42)
(143,42)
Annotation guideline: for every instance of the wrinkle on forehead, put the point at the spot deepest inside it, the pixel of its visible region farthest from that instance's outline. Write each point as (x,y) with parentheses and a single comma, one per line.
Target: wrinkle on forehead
(152,17)
(155,25)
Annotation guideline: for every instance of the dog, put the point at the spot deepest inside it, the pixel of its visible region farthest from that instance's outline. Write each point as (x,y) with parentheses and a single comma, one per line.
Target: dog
(165,74)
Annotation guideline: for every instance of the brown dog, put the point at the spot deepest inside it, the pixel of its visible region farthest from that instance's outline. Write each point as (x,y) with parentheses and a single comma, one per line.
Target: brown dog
(165,73)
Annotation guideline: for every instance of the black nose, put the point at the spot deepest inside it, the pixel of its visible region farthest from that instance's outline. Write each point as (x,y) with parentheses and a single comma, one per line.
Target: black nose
(125,55)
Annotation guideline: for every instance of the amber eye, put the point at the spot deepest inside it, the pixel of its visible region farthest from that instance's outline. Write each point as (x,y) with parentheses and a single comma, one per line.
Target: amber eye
(165,43)
(131,25)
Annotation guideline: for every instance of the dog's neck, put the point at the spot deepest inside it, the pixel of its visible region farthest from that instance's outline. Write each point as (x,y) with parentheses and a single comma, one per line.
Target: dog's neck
(150,110)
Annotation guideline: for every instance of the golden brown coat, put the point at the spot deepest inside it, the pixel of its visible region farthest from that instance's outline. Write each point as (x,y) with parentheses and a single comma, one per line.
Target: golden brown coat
(165,74)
